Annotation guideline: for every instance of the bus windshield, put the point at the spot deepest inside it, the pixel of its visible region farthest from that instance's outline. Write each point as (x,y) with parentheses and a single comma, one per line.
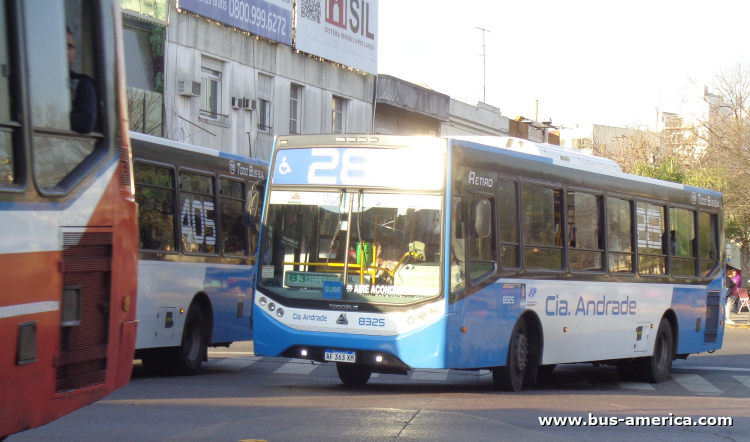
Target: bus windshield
(387,245)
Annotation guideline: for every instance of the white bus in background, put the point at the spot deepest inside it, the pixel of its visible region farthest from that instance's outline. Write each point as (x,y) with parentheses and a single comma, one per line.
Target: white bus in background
(196,265)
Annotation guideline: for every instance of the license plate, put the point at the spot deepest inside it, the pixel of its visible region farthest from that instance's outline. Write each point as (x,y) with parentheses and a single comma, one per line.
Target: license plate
(340,356)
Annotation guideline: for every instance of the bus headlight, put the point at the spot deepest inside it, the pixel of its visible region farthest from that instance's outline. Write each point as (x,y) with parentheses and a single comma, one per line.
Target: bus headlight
(280,312)
(263,300)
(410,320)
(271,307)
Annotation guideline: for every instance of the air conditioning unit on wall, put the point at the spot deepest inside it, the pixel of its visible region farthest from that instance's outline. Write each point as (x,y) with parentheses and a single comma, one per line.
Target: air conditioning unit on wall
(249,105)
(189,88)
(237,102)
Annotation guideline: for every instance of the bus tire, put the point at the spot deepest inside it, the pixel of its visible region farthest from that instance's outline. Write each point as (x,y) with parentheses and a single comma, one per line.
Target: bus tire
(188,357)
(510,377)
(353,375)
(655,368)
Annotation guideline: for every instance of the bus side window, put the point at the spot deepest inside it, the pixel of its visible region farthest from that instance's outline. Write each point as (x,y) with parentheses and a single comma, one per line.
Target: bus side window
(508,224)
(542,214)
(619,235)
(682,242)
(197,213)
(8,87)
(154,193)
(57,84)
(709,254)
(652,239)
(233,231)
(585,244)
(482,255)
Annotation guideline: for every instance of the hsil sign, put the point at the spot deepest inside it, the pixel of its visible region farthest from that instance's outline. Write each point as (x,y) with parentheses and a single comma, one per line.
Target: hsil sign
(337,13)
(344,31)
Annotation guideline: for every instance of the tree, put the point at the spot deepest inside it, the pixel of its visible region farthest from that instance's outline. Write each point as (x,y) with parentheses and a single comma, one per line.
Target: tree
(723,129)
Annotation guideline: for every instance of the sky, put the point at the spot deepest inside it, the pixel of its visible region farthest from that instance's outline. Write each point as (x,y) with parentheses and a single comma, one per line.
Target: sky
(586,62)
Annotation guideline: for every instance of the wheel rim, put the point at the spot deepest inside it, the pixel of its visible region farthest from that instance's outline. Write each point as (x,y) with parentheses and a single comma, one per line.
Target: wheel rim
(660,353)
(522,352)
(191,344)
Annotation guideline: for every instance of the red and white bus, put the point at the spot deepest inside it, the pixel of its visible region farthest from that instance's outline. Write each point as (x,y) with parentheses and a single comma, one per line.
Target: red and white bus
(68,236)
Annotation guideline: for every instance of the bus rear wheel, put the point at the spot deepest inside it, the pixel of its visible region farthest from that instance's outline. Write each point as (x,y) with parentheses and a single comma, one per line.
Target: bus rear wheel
(188,357)
(510,377)
(353,375)
(655,368)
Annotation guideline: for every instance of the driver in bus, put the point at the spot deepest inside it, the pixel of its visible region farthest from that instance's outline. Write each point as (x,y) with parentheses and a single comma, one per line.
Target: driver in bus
(82,94)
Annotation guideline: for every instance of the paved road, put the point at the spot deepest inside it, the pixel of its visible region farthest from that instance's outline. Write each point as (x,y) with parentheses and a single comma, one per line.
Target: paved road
(240,396)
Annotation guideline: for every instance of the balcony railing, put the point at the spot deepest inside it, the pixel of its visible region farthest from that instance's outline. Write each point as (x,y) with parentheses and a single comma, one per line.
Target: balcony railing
(214,116)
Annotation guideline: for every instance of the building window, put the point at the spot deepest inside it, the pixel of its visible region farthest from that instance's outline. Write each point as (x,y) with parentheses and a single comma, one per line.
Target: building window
(295,93)
(264,115)
(337,106)
(210,93)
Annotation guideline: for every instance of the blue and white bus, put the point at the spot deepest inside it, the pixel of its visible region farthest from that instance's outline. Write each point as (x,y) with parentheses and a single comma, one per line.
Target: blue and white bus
(196,264)
(385,253)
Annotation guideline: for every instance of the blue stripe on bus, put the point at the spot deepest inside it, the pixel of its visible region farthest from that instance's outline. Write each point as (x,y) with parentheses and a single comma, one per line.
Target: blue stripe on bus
(689,304)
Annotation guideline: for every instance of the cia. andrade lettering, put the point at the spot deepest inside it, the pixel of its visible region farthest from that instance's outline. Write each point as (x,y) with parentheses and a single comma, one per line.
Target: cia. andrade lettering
(555,306)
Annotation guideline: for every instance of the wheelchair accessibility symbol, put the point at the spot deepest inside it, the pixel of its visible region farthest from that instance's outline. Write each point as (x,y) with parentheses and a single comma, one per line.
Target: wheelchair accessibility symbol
(284,167)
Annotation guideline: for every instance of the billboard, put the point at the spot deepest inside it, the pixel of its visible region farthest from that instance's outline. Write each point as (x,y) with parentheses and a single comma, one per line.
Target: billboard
(271,19)
(343,31)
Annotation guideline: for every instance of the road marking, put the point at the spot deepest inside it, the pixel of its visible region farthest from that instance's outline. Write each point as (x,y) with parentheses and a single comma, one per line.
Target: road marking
(234,364)
(430,375)
(635,385)
(744,379)
(296,366)
(231,353)
(705,368)
(695,383)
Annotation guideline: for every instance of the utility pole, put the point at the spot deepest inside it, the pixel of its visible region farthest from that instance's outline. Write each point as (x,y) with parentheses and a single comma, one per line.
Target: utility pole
(484,66)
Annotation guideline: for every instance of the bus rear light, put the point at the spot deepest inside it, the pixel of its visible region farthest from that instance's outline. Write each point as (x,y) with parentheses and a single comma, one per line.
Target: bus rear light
(271,307)
(280,312)
(126,304)
(464,329)
(263,300)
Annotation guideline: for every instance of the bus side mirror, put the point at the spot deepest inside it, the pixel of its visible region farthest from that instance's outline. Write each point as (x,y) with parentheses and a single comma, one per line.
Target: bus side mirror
(254,203)
(482,219)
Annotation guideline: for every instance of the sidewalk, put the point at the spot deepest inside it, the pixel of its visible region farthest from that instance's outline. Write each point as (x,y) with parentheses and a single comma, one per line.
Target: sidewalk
(742,318)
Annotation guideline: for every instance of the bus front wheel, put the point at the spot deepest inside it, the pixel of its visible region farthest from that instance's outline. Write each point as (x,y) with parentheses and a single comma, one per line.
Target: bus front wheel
(188,357)
(353,375)
(510,377)
(655,368)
